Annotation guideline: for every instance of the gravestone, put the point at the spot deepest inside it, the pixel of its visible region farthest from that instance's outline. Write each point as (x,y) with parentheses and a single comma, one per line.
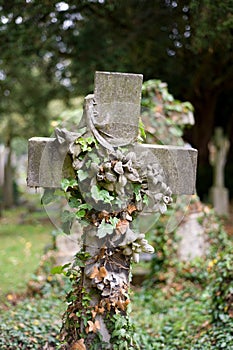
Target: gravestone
(218,148)
(193,240)
(117,179)
(66,248)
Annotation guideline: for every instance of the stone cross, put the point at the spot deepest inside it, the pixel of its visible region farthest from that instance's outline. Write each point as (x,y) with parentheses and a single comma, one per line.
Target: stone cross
(218,148)
(129,173)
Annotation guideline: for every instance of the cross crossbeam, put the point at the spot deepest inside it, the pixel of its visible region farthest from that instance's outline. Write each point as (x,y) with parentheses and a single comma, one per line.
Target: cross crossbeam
(117,98)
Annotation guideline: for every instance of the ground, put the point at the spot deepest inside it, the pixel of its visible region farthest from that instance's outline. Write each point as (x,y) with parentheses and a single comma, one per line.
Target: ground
(171,313)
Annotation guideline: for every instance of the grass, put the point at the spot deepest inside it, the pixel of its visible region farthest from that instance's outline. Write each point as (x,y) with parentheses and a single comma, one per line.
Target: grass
(23,239)
(164,319)
(172,314)
(177,312)
(32,323)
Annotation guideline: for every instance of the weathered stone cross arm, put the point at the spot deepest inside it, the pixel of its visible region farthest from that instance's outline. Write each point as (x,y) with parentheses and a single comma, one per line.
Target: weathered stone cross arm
(117,97)
(178,163)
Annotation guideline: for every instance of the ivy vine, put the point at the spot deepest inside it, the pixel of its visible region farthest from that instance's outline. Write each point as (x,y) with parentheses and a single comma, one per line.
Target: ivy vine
(111,188)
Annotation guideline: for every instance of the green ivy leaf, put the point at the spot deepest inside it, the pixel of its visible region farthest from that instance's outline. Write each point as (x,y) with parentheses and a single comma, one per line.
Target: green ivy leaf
(66,183)
(86,143)
(74,202)
(104,229)
(94,158)
(85,206)
(101,195)
(114,221)
(82,175)
(81,213)
(56,270)
(48,196)
(67,219)
(142,132)
(67,215)
(119,333)
(95,193)
(59,269)
(81,258)
(145,199)
(123,345)
(137,192)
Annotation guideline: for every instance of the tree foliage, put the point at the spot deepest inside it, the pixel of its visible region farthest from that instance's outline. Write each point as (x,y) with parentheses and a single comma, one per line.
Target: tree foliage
(186,43)
(70,40)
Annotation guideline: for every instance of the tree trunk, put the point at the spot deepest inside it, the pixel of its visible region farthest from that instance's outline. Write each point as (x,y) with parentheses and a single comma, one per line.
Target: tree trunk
(8,195)
(1,204)
(200,134)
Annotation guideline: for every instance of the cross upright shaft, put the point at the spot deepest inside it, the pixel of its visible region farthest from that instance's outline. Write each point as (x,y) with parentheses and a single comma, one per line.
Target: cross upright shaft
(118,99)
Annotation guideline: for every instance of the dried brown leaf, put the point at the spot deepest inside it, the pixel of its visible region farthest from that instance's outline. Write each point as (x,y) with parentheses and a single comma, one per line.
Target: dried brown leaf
(95,272)
(122,226)
(120,305)
(123,304)
(108,304)
(99,274)
(79,345)
(73,316)
(127,302)
(103,272)
(131,208)
(93,312)
(93,326)
(101,310)
(103,215)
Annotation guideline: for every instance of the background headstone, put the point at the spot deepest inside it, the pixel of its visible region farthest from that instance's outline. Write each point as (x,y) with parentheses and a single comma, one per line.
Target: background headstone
(193,241)
(218,148)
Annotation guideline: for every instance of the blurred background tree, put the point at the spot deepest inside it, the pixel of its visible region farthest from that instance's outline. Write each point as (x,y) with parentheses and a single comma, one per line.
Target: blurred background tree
(50,50)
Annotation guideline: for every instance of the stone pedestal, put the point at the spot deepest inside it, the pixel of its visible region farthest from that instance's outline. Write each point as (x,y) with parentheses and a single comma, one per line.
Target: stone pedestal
(220,199)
